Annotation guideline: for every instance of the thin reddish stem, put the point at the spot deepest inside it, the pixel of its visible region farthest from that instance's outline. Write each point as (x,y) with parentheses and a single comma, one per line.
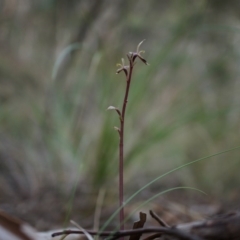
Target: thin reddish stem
(121,146)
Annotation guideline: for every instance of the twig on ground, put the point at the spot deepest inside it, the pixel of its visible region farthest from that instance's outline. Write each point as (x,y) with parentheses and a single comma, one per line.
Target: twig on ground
(158,219)
(115,235)
(153,236)
(139,224)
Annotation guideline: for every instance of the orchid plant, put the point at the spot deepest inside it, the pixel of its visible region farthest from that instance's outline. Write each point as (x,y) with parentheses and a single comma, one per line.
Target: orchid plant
(128,71)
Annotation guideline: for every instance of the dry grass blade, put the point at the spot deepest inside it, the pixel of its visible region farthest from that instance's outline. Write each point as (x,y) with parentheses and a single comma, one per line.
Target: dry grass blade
(89,237)
(97,214)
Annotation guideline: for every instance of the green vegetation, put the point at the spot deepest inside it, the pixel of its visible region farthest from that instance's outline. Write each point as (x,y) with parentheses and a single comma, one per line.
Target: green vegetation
(57,73)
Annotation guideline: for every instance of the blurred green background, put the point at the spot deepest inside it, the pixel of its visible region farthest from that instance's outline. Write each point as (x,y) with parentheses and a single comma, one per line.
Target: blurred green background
(57,76)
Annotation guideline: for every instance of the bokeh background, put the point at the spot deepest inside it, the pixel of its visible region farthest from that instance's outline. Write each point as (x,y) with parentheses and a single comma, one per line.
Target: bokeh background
(58,61)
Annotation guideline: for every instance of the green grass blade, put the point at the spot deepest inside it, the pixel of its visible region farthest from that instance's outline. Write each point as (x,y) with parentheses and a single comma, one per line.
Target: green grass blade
(159,177)
(161,193)
(155,196)
(62,56)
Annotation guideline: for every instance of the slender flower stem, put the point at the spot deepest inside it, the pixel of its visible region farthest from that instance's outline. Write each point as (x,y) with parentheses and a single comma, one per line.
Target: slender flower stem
(132,56)
(121,146)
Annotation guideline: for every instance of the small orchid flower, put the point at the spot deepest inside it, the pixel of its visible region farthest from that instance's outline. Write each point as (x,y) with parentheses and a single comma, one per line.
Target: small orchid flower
(122,67)
(137,54)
